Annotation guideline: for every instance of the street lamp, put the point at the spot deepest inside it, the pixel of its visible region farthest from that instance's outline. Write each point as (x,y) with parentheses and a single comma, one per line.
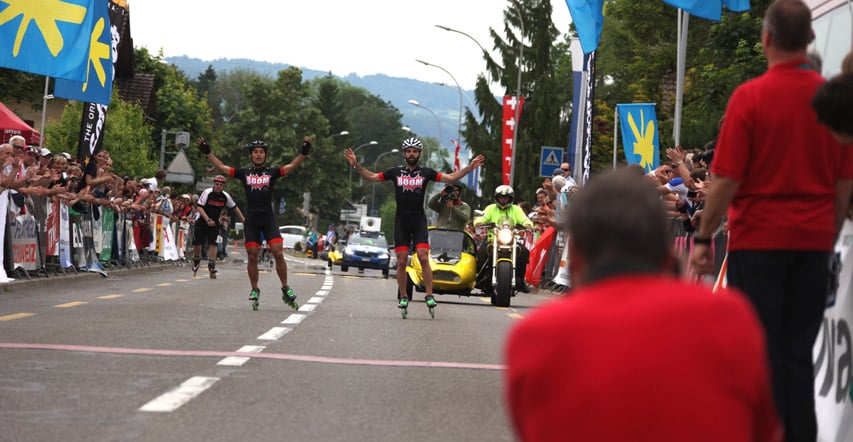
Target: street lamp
(459,121)
(437,121)
(355,151)
(485,52)
(339,134)
(373,191)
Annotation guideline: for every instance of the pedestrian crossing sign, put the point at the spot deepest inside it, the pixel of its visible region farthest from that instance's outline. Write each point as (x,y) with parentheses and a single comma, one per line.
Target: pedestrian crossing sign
(550,159)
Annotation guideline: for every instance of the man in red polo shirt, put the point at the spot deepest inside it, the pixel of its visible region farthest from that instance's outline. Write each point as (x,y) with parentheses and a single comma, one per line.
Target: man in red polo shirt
(634,353)
(781,175)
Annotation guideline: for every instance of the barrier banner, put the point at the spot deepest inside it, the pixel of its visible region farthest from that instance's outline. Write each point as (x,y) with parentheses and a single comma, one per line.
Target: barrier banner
(833,352)
(96,229)
(65,246)
(108,227)
(130,245)
(51,229)
(4,208)
(167,243)
(78,253)
(91,256)
(25,253)
(562,276)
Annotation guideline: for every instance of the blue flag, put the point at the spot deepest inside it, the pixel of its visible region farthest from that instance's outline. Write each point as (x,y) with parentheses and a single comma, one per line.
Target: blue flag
(588,18)
(97,86)
(640,134)
(709,9)
(47,37)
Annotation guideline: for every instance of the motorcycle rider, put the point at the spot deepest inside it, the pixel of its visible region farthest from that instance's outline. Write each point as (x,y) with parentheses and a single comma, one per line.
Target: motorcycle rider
(453,213)
(502,208)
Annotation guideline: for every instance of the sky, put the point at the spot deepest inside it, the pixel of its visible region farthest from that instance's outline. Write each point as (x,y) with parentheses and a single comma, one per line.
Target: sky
(342,36)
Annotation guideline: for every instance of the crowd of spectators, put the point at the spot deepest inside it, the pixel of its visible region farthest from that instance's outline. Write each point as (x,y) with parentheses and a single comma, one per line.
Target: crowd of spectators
(36,175)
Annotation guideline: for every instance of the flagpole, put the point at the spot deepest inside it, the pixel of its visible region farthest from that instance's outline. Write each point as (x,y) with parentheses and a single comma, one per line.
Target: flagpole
(45,97)
(683,19)
(615,132)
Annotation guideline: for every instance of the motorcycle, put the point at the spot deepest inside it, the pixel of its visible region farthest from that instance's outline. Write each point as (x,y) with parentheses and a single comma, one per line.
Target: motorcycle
(505,240)
(453,260)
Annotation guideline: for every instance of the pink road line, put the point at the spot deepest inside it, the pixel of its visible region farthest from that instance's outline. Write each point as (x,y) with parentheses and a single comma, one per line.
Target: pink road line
(279,356)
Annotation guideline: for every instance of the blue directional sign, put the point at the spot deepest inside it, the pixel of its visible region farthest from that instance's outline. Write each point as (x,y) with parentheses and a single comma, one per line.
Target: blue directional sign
(550,159)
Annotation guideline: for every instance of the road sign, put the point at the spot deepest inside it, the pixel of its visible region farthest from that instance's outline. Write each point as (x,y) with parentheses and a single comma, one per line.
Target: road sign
(550,159)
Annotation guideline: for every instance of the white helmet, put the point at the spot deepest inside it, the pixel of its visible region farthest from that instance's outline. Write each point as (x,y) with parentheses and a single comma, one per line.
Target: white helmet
(412,142)
(504,190)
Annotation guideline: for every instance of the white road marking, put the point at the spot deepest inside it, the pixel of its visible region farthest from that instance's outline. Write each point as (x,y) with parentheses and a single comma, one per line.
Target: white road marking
(321,293)
(168,402)
(294,318)
(274,333)
(237,361)
(316,300)
(307,307)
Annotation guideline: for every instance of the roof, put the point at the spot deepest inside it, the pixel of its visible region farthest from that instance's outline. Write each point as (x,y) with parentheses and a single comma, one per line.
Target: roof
(138,88)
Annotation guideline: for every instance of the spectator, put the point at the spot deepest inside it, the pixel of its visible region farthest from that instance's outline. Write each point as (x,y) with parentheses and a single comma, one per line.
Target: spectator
(782,229)
(453,213)
(635,353)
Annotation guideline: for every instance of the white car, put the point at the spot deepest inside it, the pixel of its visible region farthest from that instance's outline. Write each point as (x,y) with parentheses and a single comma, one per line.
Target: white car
(291,235)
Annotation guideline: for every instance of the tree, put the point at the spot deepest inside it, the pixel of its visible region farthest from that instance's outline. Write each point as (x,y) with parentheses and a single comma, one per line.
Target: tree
(126,136)
(527,23)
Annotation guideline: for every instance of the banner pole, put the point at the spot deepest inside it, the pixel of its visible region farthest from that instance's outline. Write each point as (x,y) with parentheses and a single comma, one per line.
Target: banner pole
(615,132)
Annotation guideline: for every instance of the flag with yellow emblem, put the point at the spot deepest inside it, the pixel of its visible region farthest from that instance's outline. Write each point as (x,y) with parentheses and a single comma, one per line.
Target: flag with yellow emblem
(97,85)
(639,134)
(48,37)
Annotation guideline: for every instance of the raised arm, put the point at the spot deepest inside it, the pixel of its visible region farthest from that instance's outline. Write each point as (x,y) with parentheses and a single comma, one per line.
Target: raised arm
(353,161)
(454,176)
(217,163)
(306,149)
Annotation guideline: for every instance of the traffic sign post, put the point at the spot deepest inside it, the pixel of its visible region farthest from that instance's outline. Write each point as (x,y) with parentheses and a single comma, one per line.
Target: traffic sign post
(550,159)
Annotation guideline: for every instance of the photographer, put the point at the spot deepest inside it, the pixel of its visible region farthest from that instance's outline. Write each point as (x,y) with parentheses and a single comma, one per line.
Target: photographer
(453,213)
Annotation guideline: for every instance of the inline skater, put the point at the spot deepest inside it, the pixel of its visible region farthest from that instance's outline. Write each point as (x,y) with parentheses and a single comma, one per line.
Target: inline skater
(410,221)
(210,204)
(258,181)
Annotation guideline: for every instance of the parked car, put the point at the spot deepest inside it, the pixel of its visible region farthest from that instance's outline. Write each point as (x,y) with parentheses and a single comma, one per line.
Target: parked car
(366,250)
(291,235)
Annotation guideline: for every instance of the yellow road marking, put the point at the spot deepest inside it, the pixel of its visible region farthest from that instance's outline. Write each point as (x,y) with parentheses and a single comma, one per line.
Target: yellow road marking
(16,316)
(70,304)
(514,315)
(164,284)
(182,280)
(486,300)
(110,296)
(140,290)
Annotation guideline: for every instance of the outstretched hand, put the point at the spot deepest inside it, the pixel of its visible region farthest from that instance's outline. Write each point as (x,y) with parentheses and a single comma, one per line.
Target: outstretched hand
(306,145)
(203,146)
(350,156)
(477,161)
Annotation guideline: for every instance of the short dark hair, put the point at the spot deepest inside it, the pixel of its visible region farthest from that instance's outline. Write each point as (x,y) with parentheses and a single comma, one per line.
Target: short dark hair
(790,24)
(605,236)
(833,103)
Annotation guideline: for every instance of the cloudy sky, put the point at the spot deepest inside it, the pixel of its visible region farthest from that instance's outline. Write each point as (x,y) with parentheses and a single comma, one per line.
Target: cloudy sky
(362,37)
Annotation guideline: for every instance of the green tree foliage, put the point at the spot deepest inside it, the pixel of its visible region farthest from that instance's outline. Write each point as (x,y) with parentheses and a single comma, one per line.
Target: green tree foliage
(126,136)
(543,119)
(21,87)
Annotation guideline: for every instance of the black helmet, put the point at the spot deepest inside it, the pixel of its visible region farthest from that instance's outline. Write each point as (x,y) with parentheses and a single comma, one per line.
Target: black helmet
(257,143)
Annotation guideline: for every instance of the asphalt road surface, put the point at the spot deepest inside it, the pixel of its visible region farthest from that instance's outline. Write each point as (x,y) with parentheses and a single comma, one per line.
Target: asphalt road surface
(154,354)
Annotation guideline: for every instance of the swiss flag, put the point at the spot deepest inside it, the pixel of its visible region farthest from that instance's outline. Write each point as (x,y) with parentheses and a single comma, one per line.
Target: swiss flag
(511,108)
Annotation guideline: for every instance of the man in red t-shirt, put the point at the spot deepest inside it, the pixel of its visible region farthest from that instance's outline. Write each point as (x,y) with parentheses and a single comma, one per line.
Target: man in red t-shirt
(783,178)
(634,353)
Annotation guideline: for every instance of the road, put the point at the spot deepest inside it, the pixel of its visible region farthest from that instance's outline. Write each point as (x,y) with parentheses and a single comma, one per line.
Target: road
(157,355)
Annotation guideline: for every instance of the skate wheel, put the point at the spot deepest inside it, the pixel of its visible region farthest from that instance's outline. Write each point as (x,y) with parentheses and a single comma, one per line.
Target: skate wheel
(255,305)
(432,312)
(404,313)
